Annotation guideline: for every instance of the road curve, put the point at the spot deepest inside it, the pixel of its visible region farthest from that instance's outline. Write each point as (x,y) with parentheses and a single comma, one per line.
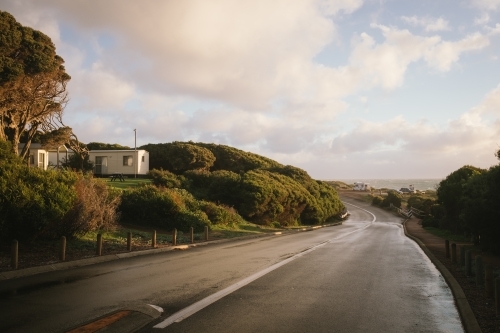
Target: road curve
(362,276)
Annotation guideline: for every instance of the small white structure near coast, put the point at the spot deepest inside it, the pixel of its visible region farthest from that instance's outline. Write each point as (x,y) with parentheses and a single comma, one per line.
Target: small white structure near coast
(359,186)
(127,162)
(106,162)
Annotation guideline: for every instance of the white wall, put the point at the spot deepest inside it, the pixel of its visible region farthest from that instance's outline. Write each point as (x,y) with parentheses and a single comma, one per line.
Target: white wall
(115,161)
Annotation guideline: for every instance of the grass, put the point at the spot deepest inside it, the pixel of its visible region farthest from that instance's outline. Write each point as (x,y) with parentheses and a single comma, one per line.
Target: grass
(129,182)
(242,229)
(446,234)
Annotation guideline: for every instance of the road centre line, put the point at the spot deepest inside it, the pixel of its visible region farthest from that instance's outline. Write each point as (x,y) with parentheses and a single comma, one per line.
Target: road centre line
(374,217)
(201,304)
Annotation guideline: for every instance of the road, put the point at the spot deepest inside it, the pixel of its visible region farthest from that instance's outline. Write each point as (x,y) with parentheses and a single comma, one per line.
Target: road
(362,276)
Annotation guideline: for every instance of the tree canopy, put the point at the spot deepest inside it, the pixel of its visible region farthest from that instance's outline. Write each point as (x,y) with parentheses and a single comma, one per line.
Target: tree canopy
(105,146)
(32,83)
(450,192)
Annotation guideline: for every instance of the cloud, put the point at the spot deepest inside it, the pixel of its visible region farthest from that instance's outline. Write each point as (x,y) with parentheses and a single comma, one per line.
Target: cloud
(429,24)
(486,4)
(333,7)
(482,20)
(385,64)
(246,54)
(472,138)
(493,31)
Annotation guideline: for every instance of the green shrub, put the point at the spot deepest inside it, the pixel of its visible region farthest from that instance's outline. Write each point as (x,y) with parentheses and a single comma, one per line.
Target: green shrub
(430,222)
(178,157)
(162,207)
(166,178)
(392,198)
(275,224)
(34,202)
(221,214)
(377,201)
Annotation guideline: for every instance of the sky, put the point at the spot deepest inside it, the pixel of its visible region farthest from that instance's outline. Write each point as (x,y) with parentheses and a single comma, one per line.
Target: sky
(343,89)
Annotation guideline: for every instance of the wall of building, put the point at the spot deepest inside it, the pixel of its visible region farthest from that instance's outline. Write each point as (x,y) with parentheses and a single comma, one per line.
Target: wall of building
(120,161)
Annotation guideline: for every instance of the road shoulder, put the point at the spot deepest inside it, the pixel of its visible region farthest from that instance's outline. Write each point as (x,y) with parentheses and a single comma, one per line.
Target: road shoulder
(468,319)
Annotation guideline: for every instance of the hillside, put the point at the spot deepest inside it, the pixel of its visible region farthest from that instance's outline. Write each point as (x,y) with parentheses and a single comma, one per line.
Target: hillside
(262,190)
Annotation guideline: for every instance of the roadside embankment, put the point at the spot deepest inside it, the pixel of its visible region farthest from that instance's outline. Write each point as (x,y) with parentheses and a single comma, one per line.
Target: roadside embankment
(12,274)
(476,310)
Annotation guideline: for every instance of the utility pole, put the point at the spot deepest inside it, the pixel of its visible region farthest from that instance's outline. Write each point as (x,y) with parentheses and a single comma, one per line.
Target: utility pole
(135,153)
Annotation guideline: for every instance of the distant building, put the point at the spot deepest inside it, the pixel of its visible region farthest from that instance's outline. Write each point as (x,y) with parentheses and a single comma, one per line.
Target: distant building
(129,162)
(358,186)
(106,162)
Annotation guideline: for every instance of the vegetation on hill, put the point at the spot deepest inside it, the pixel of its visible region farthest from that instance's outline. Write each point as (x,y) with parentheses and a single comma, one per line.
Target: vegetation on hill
(260,189)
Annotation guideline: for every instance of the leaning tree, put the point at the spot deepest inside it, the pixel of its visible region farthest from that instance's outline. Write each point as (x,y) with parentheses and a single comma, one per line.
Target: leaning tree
(33,84)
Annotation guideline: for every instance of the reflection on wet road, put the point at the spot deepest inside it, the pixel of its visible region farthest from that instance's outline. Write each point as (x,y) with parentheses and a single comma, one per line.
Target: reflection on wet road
(362,276)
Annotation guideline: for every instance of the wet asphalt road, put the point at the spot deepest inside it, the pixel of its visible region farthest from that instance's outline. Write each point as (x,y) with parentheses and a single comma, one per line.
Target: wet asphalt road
(365,277)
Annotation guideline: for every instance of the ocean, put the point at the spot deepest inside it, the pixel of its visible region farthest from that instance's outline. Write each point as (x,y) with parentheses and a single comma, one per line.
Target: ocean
(419,184)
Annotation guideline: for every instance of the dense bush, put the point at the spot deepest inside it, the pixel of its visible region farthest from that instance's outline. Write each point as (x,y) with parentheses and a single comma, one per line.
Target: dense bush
(220,214)
(95,208)
(178,157)
(392,198)
(430,221)
(260,189)
(377,201)
(468,204)
(166,178)
(450,192)
(421,203)
(32,201)
(35,203)
(480,215)
(267,197)
(162,207)
(236,160)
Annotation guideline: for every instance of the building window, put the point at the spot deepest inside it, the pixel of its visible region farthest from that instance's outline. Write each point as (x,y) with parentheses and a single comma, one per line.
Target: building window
(127,160)
(143,158)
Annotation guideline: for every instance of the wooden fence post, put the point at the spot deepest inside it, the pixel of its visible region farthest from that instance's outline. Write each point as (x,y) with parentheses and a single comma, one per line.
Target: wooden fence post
(98,251)
(174,237)
(191,232)
(62,249)
(206,233)
(129,241)
(454,253)
(153,239)
(14,254)
(462,256)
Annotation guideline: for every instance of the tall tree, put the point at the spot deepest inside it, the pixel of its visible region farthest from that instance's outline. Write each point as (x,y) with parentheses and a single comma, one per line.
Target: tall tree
(33,83)
(450,193)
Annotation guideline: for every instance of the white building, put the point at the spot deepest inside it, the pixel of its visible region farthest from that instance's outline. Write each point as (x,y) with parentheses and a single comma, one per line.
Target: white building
(106,162)
(361,186)
(38,157)
(128,162)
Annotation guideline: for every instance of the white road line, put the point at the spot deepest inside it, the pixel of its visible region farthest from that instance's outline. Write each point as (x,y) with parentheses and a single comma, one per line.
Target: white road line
(374,217)
(193,308)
